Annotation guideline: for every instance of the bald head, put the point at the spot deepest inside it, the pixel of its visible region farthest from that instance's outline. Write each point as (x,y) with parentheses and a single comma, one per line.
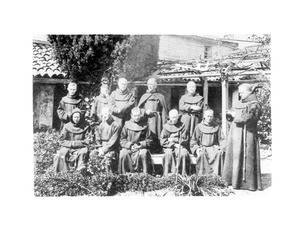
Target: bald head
(122,84)
(173,116)
(245,90)
(72,88)
(106,113)
(152,84)
(208,116)
(191,87)
(136,114)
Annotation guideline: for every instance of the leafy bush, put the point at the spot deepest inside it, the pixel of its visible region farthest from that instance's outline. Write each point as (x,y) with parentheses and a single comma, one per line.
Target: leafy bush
(45,146)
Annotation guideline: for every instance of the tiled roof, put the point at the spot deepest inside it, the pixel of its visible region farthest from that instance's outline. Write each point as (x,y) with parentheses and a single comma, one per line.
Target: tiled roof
(43,64)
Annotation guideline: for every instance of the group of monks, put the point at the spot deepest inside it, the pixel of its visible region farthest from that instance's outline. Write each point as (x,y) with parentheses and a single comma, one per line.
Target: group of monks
(128,135)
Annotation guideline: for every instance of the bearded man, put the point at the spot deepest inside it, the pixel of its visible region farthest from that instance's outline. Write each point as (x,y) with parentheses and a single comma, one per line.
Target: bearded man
(208,146)
(68,103)
(154,107)
(121,102)
(107,141)
(174,141)
(242,160)
(136,140)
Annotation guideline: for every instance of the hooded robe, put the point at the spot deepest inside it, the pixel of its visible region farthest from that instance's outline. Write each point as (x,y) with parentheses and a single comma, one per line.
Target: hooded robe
(189,116)
(155,102)
(74,151)
(107,137)
(100,102)
(67,104)
(210,139)
(121,103)
(135,160)
(242,170)
(174,158)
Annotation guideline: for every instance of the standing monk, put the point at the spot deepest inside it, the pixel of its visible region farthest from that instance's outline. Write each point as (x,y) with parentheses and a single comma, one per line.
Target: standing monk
(121,102)
(174,141)
(208,146)
(155,108)
(107,139)
(74,151)
(68,104)
(101,101)
(190,106)
(242,160)
(135,140)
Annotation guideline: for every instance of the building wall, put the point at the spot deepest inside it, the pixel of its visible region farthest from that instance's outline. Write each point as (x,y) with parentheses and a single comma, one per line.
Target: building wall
(43,99)
(182,48)
(218,51)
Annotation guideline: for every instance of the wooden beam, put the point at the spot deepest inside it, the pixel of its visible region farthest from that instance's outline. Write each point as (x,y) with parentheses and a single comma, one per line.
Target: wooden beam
(205,94)
(224,105)
(54,81)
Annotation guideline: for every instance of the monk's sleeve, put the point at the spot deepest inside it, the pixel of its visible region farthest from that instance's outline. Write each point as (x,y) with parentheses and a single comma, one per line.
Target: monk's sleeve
(184,137)
(251,114)
(112,104)
(123,139)
(63,137)
(221,139)
(61,112)
(164,140)
(183,106)
(148,142)
(113,140)
(193,143)
(131,101)
(164,113)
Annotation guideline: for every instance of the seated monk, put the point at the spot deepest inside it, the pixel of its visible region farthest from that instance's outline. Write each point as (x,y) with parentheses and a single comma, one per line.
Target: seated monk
(174,141)
(136,140)
(74,151)
(107,140)
(208,145)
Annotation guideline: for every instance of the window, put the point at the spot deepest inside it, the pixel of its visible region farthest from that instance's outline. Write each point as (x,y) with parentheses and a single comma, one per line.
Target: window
(207,52)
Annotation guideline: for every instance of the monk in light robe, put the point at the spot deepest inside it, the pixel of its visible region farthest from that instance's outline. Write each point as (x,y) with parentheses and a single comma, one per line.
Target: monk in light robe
(242,160)
(74,151)
(121,102)
(190,107)
(136,140)
(174,141)
(208,146)
(68,103)
(107,141)
(154,107)
(100,102)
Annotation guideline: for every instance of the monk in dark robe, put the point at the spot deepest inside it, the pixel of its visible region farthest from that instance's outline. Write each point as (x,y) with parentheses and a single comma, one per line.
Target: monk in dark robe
(174,141)
(154,106)
(74,151)
(100,102)
(107,141)
(68,103)
(208,146)
(135,140)
(242,160)
(190,107)
(121,102)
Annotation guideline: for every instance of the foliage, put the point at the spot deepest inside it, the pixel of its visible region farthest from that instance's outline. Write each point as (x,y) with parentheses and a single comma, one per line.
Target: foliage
(85,57)
(264,127)
(45,146)
(108,184)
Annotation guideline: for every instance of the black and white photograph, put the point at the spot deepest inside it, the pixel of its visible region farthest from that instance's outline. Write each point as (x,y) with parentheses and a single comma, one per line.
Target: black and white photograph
(149,116)
(152,115)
